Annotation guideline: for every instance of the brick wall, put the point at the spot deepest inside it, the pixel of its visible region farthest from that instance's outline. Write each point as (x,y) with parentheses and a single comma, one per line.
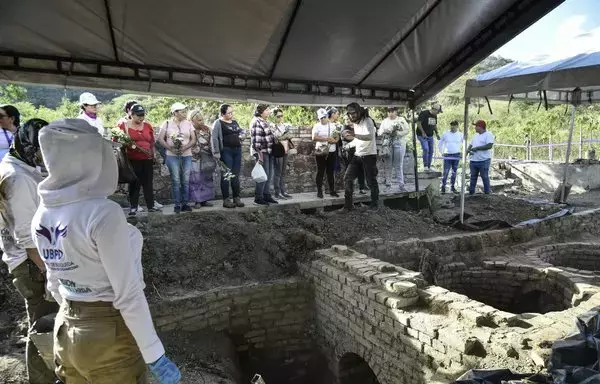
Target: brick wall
(269,324)
(428,255)
(360,310)
(511,288)
(406,332)
(585,256)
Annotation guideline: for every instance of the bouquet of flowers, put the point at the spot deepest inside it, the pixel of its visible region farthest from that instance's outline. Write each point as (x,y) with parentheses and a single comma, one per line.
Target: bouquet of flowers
(177,139)
(225,171)
(396,128)
(121,137)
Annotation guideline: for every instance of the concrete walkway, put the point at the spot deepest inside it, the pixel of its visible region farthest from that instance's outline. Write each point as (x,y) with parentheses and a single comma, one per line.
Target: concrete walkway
(306,200)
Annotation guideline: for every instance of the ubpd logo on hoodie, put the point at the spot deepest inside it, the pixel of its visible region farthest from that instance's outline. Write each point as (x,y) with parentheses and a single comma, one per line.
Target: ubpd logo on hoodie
(51,234)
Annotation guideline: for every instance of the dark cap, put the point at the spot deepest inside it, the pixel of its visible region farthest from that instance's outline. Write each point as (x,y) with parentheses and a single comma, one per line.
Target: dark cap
(137,110)
(454,122)
(480,124)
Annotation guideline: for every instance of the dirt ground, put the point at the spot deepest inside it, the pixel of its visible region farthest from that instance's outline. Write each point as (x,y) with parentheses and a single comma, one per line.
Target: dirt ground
(197,252)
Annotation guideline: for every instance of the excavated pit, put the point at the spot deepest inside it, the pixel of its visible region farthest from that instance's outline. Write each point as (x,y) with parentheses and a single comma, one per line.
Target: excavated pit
(353,369)
(582,256)
(511,288)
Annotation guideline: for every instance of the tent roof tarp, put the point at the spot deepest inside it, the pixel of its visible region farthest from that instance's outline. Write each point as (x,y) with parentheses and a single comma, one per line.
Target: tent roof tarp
(557,79)
(286,51)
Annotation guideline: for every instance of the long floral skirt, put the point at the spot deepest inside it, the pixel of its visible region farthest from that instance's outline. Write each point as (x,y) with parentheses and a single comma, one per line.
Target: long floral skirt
(202,187)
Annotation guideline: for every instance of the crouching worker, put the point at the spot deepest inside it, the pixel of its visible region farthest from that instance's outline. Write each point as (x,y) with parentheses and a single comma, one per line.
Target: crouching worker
(19,178)
(103,332)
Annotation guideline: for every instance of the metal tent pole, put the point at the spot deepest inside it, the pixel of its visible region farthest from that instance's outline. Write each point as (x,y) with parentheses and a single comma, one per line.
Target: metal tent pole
(566,171)
(580,142)
(414,140)
(464,161)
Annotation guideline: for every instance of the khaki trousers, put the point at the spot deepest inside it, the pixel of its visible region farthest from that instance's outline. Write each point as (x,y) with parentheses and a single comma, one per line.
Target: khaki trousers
(30,283)
(92,345)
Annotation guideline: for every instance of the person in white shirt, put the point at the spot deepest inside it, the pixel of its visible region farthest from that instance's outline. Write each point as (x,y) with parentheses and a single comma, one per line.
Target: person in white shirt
(450,146)
(480,150)
(364,157)
(103,332)
(19,178)
(89,111)
(393,130)
(325,136)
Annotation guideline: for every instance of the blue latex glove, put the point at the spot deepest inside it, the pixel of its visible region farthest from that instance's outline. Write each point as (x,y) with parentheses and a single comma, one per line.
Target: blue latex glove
(165,371)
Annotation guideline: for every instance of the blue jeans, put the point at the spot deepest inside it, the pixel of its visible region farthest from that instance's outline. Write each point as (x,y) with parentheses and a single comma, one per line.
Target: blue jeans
(180,168)
(427,145)
(450,164)
(232,157)
(480,168)
(263,189)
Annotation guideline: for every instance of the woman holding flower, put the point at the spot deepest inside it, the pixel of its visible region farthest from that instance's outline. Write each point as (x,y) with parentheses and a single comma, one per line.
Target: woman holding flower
(178,136)
(139,135)
(202,188)
(393,129)
(226,145)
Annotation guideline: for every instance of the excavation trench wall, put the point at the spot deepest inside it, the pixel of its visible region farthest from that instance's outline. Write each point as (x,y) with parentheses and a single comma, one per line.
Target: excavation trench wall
(428,255)
(269,325)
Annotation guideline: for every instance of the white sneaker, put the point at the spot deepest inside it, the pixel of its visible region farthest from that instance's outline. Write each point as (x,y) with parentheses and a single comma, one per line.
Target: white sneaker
(157,204)
(140,208)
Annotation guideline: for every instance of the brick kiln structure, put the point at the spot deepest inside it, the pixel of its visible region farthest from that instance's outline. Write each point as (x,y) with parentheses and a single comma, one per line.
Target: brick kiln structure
(415,311)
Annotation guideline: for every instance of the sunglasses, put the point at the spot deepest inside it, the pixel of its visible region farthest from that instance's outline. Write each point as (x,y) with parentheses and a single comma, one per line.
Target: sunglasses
(279,116)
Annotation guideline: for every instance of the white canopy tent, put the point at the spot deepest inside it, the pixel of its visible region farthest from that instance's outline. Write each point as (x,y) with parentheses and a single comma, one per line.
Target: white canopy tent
(574,80)
(308,52)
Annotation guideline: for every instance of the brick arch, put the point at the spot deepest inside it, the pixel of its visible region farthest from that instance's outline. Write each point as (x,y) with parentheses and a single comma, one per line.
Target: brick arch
(353,369)
(350,352)
(542,296)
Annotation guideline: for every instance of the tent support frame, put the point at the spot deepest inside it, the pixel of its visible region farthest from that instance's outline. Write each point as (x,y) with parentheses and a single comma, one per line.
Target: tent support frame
(463,175)
(414,151)
(105,69)
(568,154)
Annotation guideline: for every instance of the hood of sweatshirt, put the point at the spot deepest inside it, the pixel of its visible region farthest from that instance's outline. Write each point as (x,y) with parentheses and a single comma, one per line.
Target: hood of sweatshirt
(81,164)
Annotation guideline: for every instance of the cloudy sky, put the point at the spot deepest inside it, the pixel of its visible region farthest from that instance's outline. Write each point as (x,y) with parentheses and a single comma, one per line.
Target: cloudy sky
(571,28)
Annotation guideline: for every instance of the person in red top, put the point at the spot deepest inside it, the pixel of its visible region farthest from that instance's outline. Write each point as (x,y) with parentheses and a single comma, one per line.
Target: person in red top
(141,155)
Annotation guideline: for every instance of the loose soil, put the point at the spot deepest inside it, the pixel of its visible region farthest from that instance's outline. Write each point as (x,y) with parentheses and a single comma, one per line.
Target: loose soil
(204,251)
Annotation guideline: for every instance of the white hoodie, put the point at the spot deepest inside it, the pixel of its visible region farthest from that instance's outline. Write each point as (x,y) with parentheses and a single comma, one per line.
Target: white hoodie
(91,252)
(18,203)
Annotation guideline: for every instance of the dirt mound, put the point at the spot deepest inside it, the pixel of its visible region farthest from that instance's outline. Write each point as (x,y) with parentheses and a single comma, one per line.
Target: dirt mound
(483,207)
(229,248)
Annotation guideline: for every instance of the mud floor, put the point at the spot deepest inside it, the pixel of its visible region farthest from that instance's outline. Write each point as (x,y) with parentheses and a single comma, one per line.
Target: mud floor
(197,252)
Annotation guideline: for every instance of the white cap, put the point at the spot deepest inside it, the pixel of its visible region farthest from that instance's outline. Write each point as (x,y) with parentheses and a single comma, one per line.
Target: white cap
(178,107)
(88,98)
(321,113)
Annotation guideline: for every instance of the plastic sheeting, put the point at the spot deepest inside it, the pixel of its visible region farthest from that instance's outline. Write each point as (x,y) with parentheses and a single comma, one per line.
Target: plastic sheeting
(499,376)
(212,47)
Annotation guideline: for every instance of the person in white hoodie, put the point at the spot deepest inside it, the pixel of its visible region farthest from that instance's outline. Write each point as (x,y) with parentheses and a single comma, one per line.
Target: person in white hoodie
(19,178)
(393,129)
(89,111)
(103,332)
